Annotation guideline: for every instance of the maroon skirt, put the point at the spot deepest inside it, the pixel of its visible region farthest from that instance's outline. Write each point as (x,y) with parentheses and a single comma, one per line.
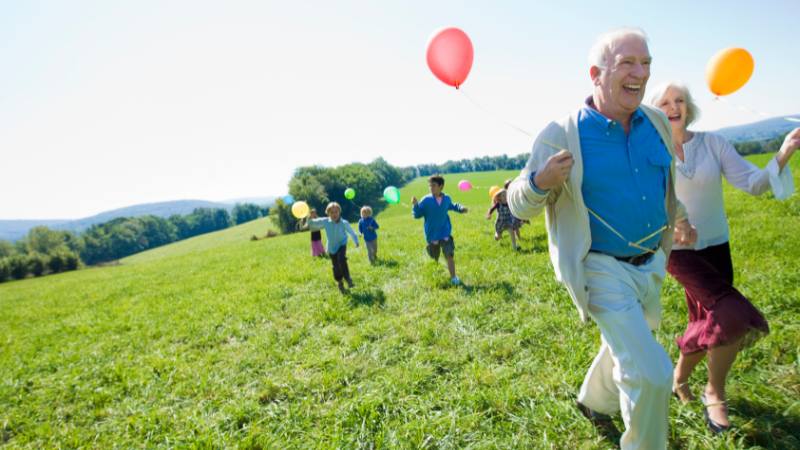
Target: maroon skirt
(718,313)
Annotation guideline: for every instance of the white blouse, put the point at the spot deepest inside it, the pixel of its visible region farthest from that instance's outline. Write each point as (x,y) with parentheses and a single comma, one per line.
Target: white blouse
(698,184)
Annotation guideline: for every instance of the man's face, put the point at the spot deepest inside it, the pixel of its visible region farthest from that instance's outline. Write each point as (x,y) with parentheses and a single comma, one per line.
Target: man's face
(436,189)
(620,86)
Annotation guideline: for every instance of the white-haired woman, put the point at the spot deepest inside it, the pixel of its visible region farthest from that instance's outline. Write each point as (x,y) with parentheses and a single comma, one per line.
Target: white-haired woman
(721,319)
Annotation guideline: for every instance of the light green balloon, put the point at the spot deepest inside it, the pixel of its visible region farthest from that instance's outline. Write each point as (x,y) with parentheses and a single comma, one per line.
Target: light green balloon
(392,195)
(349,193)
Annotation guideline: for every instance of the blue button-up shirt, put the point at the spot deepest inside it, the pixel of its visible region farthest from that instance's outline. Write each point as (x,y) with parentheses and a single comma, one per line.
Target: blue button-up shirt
(624,181)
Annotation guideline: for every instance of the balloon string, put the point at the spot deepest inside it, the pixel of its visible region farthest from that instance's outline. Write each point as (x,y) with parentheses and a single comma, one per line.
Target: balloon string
(752,111)
(495,116)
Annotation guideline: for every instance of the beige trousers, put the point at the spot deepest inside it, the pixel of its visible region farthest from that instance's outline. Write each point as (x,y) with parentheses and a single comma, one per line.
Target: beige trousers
(631,373)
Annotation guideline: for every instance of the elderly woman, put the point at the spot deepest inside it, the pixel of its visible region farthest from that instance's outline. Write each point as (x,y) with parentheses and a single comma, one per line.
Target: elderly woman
(721,319)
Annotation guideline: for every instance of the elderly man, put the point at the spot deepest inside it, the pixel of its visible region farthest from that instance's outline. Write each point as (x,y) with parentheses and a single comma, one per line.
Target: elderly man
(604,176)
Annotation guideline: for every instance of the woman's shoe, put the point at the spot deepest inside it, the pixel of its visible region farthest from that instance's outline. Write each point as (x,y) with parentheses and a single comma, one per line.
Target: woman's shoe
(715,427)
(683,393)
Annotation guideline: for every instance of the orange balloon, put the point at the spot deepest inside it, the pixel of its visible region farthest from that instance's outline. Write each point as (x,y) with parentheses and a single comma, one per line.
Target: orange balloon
(493,190)
(729,70)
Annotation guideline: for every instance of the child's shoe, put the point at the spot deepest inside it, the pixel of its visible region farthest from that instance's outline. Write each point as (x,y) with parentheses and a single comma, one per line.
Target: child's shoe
(341,287)
(455,281)
(350,283)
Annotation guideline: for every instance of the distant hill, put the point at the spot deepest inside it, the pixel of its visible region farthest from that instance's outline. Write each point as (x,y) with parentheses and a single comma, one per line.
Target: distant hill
(12,230)
(260,201)
(761,130)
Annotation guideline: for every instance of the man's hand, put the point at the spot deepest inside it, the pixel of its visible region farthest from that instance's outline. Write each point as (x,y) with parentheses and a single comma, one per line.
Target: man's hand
(685,233)
(555,171)
(464,210)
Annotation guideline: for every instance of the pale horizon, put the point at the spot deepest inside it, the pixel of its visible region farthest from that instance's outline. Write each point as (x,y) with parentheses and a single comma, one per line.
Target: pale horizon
(107,105)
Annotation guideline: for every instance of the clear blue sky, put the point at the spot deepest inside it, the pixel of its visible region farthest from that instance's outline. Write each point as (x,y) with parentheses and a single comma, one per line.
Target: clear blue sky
(108,104)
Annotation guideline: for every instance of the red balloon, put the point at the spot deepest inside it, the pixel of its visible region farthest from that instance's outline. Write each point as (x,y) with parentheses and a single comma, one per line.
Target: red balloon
(450,56)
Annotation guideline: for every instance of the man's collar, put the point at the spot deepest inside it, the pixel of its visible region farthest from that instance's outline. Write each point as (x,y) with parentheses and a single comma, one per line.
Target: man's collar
(604,121)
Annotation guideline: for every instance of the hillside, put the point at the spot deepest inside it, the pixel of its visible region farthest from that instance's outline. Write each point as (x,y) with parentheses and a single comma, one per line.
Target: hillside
(220,342)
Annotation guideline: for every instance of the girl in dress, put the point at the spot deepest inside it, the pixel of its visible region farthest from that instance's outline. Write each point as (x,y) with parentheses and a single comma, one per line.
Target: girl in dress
(316,239)
(505,220)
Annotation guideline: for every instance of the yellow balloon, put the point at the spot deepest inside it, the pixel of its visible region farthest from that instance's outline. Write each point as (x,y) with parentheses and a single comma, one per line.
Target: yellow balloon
(300,209)
(729,70)
(493,190)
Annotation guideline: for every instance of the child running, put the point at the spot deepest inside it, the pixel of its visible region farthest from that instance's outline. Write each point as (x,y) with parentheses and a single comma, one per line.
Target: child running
(505,220)
(336,231)
(367,226)
(438,231)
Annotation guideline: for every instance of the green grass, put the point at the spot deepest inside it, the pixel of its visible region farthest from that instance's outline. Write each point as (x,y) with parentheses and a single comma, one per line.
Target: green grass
(219,341)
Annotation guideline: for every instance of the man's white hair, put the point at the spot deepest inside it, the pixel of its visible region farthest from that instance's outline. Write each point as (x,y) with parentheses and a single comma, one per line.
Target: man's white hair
(603,47)
(692,110)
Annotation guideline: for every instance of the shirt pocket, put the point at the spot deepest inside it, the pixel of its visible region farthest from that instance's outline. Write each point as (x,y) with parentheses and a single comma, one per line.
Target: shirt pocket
(660,157)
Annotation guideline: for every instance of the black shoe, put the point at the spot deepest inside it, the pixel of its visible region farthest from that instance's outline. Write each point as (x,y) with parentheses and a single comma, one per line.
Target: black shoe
(601,422)
(715,427)
(350,283)
(341,287)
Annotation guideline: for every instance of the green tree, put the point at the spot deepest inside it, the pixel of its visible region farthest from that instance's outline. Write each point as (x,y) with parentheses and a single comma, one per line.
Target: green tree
(245,212)
(18,265)
(281,215)
(5,270)
(37,263)
(6,249)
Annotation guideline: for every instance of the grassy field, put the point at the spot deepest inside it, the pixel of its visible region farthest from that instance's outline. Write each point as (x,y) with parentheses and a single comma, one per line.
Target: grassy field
(220,341)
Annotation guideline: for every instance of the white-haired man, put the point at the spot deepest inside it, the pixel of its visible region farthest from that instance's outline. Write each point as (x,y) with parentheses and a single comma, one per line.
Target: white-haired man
(604,176)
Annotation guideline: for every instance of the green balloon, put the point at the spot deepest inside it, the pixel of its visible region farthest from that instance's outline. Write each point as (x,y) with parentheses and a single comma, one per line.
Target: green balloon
(349,193)
(392,195)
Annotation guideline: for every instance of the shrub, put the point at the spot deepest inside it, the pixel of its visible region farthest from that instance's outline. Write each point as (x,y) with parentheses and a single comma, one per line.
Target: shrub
(36,264)
(18,265)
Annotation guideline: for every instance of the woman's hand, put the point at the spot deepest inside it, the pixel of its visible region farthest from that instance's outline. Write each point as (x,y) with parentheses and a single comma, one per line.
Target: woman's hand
(685,233)
(790,145)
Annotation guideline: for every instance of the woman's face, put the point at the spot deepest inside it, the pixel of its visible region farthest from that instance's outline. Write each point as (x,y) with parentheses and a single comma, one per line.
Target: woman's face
(673,104)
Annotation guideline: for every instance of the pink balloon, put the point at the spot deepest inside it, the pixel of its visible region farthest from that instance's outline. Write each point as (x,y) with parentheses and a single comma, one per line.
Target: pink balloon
(464,185)
(450,56)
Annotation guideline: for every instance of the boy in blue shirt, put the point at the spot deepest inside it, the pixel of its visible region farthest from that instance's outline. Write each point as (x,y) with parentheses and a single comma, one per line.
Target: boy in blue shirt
(367,226)
(438,231)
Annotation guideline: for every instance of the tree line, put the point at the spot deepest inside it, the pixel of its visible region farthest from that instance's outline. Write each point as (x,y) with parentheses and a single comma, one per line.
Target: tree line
(44,251)
(754,147)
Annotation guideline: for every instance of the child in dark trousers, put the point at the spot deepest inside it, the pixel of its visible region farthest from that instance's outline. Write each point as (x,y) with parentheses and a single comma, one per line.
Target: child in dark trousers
(336,231)
(438,231)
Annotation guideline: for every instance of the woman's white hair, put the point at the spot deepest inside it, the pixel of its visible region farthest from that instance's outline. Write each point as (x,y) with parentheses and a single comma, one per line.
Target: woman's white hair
(692,110)
(603,46)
